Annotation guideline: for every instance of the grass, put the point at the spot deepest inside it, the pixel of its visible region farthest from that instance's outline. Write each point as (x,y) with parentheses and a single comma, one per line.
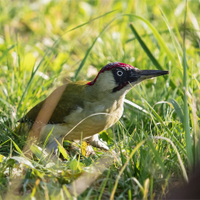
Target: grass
(45,44)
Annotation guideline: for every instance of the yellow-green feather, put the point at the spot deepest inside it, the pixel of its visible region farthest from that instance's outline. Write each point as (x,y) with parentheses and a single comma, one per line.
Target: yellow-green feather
(72,97)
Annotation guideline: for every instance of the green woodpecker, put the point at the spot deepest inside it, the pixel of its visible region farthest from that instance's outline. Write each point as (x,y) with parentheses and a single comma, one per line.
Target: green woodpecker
(87,108)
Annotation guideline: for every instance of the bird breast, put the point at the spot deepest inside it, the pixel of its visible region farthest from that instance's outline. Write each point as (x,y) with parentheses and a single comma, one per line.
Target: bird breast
(93,118)
(86,121)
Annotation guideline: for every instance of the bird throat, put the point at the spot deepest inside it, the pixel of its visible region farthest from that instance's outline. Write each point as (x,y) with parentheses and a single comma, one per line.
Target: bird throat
(120,86)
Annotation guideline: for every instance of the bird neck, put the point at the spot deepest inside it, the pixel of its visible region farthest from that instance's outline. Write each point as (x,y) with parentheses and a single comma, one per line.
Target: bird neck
(98,93)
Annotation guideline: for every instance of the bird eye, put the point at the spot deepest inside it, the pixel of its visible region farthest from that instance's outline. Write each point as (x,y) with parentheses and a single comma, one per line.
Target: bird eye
(119,73)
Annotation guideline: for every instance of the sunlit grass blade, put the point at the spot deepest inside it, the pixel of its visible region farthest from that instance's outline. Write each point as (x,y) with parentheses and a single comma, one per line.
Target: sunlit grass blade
(177,109)
(145,48)
(89,50)
(186,113)
(67,192)
(178,155)
(29,82)
(104,185)
(146,189)
(34,188)
(136,106)
(139,184)
(23,160)
(62,150)
(197,82)
(6,52)
(39,153)
(157,157)
(149,54)
(144,35)
(46,140)
(2,158)
(158,37)
(176,44)
(5,142)
(166,128)
(79,26)
(173,103)
(123,168)
(17,148)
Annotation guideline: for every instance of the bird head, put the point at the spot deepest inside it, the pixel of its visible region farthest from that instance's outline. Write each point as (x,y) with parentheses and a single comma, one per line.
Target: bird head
(120,77)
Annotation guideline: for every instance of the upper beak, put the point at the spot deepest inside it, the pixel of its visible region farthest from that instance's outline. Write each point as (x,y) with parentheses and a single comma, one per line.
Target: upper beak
(140,75)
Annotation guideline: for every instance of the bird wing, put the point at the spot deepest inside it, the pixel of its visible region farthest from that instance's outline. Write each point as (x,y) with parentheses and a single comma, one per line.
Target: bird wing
(71,99)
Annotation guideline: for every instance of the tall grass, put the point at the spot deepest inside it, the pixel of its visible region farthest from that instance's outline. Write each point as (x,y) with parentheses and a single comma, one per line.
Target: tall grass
(45,44)
(186,113)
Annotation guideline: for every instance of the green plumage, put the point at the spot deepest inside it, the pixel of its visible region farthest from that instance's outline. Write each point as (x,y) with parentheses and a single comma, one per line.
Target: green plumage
(68,102)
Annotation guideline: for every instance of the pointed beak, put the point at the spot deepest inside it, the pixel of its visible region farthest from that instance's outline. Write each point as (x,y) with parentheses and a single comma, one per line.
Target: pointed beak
(140,75)
(145,74)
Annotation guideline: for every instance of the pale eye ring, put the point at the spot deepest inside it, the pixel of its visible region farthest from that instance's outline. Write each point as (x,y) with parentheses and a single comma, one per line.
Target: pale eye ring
(119,73)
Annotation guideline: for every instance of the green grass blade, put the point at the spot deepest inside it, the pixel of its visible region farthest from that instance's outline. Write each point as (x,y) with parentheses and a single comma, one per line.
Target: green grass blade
(166,128)
(173,103)
(89,50)
(144,35)
(89,21)
(123,168)
(139,184)
(104,185)
(177,109)
(157,157)
(39,153)
(145,48)
(174,40)
(178,155)
(158,37)
(149,54)
(62,150)
(30,81)
(23,160)
(67,192)
(136,106)
(17,147)
(46,140)
(6,52)
(79,26)
(186,114)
